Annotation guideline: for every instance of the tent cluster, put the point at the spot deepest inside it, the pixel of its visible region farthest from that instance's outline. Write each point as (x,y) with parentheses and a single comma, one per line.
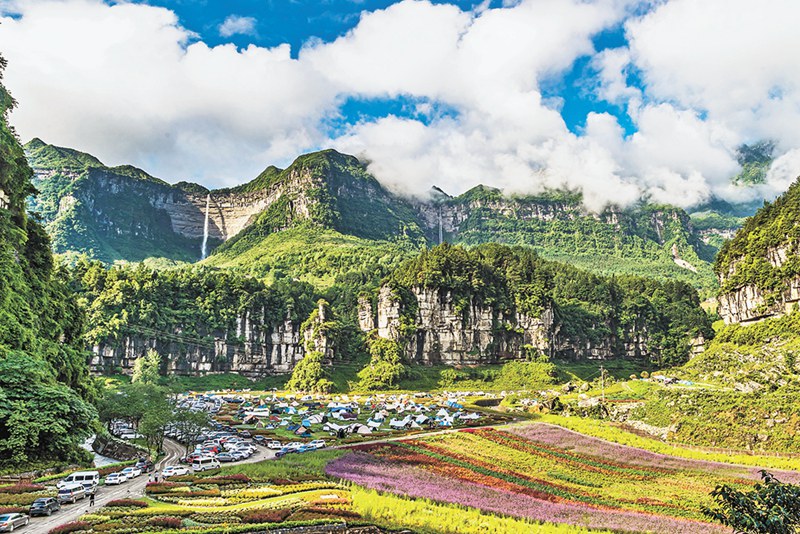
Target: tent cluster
(344,415)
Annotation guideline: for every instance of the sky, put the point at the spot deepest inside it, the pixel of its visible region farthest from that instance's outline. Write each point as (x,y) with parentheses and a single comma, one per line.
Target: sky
(623,100)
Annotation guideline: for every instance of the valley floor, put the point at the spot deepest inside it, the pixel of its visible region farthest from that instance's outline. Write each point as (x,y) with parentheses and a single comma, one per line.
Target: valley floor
(523,477)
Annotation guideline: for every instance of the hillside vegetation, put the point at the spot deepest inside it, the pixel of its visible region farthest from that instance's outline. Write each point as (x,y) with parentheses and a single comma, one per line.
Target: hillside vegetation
(43,367)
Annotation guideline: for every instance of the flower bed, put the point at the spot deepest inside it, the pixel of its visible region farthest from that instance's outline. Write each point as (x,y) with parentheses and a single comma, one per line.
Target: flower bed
(507,473)
(73,526)
(126,503)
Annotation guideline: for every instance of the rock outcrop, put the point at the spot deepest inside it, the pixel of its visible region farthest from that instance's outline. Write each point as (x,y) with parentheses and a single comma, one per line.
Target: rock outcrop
(750,303)
(254,350)
(443,334)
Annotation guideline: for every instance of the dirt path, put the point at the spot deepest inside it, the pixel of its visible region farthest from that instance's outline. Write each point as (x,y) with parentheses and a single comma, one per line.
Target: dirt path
(129,490)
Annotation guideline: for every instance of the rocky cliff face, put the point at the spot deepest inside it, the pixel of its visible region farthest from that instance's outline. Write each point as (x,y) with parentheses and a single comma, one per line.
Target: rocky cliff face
(256,350)
(749,302)
(443,334)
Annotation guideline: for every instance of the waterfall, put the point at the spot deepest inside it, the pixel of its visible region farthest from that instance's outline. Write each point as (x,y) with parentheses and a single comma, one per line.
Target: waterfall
(204,250)
(440,225)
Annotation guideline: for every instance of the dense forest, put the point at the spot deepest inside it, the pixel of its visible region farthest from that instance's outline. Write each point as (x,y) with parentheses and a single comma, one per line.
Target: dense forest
(45,388)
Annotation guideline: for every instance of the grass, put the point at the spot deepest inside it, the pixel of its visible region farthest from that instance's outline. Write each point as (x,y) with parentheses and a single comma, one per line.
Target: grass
(293,466)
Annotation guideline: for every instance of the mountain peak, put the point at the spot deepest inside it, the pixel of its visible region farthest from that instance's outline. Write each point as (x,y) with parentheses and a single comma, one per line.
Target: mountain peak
(42,155)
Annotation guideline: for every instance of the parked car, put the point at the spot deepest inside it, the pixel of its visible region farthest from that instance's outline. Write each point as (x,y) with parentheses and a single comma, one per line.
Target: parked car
(318,443)
(145,465)
(174,471)
(44,506)
(245,433)
(261,440)
(284,451)
(80,477)
(8,522)
(225,457)
(205,463)
(274,445)
(132,472)
(294,445)
(114,479)
(71,493)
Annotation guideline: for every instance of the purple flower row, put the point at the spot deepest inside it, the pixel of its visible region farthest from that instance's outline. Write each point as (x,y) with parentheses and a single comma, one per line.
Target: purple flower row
(557,436)
(368,471)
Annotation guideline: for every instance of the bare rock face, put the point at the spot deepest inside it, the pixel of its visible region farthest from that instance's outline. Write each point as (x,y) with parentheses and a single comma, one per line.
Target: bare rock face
(749,303)
(445,333)
(256,350)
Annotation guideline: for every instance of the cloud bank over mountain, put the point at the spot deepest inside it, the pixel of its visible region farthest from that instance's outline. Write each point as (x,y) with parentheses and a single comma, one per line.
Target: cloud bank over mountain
(694,78)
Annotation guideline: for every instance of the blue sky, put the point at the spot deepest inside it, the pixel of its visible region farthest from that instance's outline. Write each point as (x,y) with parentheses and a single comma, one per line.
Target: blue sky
(622,100)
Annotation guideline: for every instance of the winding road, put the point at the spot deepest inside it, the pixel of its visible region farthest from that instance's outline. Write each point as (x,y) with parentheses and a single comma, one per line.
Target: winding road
(129,490)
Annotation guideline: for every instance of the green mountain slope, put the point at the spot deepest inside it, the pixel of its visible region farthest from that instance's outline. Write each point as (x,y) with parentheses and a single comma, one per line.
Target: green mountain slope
(646,240)
(44,382)
(105,212)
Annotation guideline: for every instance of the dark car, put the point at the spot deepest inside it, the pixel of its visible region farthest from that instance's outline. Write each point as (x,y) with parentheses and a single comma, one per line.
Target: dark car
(145,465)
(261,440)
(44,506)
(244,433)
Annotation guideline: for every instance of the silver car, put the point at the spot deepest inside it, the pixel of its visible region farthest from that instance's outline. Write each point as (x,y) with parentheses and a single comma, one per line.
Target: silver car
(8,522)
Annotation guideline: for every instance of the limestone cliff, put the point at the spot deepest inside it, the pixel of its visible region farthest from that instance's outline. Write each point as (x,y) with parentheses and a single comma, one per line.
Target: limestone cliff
(255,350)
(759,269)
(442,334)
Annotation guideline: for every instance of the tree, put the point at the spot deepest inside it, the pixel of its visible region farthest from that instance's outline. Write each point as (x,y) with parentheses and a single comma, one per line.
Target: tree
(154,422)
(146,368)
(771,507)
(190,424)
(309,375)
(385,367)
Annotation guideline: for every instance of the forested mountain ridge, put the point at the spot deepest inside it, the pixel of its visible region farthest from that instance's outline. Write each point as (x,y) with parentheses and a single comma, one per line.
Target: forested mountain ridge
(265,225)
(646,239)
(43,367)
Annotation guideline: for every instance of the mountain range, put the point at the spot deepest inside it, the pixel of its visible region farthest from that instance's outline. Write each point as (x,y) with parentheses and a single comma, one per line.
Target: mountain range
(327,204)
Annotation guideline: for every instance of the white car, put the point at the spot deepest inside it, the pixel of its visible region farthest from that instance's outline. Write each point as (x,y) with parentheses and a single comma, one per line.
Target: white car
(114,479)
(275,445)
(294,445)
(175,471)
(317,443)
(132,472)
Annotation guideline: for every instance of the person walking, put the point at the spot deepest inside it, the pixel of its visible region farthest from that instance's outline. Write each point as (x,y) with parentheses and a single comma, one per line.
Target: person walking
(91,499)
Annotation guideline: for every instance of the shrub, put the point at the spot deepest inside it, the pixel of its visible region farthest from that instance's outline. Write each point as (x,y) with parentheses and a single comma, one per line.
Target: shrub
(237,478)
(73,526)
(265,516)
(120,503)
(165,522)
(13,510)
(105,527)
(22,488)
(163,487)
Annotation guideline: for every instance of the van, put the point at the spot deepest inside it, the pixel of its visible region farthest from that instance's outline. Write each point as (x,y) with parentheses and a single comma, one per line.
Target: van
(86,478)
(71,493)
(204,464)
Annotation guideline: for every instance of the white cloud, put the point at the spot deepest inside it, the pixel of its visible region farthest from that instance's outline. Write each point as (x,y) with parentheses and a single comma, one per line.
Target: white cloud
(237,25)
(128,83)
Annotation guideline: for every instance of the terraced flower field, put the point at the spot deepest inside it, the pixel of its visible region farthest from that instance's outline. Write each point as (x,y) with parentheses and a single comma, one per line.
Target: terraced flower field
(546,473)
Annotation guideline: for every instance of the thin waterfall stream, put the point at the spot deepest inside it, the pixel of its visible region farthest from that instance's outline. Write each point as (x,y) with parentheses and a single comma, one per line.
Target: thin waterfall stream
(204,250)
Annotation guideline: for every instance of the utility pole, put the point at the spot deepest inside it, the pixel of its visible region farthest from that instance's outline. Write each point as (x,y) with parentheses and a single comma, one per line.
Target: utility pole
(603,382)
